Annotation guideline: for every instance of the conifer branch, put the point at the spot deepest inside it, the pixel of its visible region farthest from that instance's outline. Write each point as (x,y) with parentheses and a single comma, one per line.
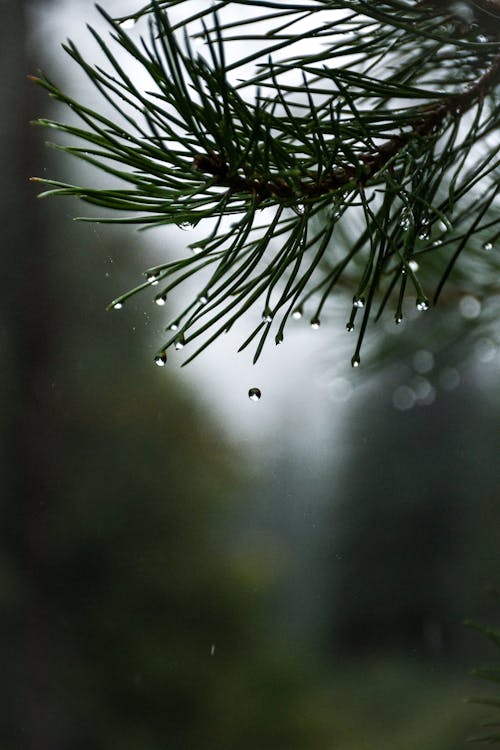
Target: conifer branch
(390,128)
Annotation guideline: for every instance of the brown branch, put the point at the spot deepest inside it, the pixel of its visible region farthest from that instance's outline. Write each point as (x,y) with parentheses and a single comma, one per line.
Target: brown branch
(426,126)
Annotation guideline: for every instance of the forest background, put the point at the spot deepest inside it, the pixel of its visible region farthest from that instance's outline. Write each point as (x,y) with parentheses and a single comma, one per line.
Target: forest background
(183,568)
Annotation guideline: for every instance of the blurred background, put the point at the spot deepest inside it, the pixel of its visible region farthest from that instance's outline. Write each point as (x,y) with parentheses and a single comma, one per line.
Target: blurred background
(183,568)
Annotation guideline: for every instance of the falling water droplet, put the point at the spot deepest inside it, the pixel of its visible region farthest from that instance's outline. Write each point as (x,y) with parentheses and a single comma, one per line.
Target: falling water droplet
(254,394)
(355,361)
(315,324)
(422,304)
(128,23)
(297,313)
(358,301)
(487,246)
(117,305)
(161,359)
(161,299)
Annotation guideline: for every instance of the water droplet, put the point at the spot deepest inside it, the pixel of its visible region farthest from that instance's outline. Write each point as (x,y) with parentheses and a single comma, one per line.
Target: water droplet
(356,361)
(279,338)
(174,326)
(266,316)
(422,304)
(358,301)
(254,394)
(424,233)
(398,319)
(297,313)
(117,305)
(315,324)
(185,225)
(161,359)
(487,246)
(203,299)
(406,219)
(481,38)
(470,307)
(180,342)
(153,278)
(128,23)
(349,326)
(161,299)
(413,265)
(299,209)
(437,243)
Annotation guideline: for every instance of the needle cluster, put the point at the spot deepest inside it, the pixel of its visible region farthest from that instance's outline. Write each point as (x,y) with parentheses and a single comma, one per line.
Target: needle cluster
(353,146)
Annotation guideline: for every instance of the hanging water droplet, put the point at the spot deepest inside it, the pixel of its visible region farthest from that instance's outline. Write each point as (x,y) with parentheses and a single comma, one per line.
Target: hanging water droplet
(299,208)
(487,246)
(406,219)
(279,338)
(356,361)
(358,301)
(266,316)
(481,38)
(437,243)
(161,299)
(128,23)
(174,326)
(424,233)
(297,313)
(117,305)
(203,299)
(422,304)
(349,326)
(398,318)
(180,342)
(185,225)
(153,278)
(315,324)
(254,394)
(161,359)
(413,265)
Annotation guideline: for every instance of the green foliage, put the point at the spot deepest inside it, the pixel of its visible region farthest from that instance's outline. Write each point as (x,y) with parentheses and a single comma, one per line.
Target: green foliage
(365,160)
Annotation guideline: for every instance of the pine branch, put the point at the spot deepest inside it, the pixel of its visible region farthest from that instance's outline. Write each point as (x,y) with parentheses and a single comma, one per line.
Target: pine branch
(389,128)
